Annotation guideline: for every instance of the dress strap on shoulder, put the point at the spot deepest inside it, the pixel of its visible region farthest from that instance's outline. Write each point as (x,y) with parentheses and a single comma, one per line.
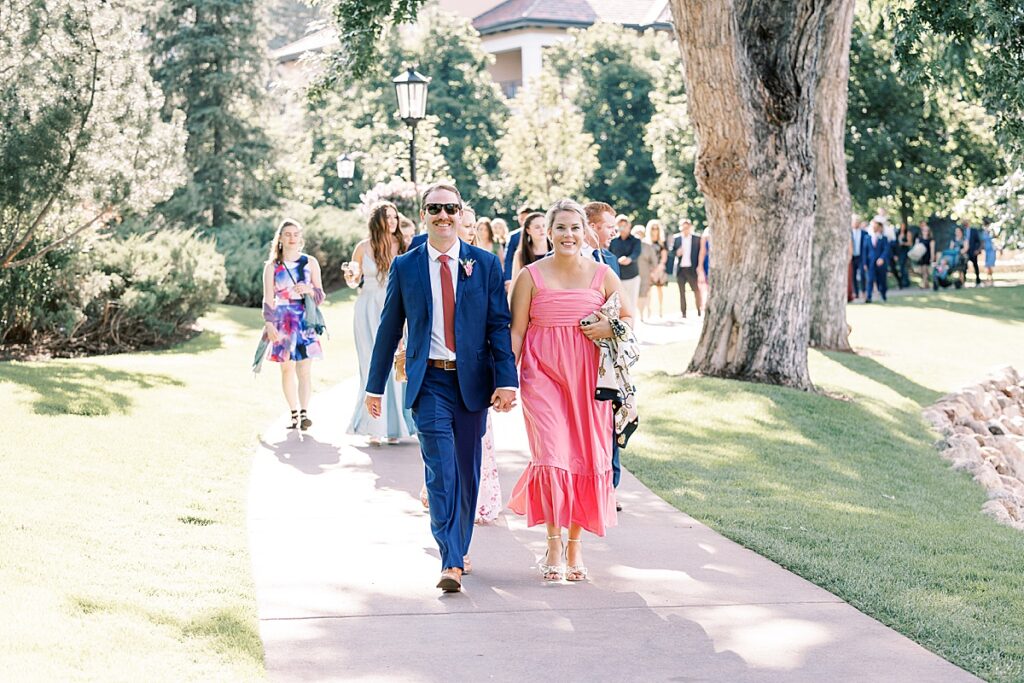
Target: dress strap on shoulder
(538,279)
(602,268)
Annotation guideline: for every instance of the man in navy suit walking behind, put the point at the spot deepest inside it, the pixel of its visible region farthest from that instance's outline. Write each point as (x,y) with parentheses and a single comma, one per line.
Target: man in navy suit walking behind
(876,252)
(458,361)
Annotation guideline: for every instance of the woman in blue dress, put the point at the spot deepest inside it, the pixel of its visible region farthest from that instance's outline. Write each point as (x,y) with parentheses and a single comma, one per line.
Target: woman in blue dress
(990,253)
(288,276)
(371,263)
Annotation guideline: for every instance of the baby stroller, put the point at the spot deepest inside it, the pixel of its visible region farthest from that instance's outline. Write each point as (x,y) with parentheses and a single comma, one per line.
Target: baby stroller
(950,269)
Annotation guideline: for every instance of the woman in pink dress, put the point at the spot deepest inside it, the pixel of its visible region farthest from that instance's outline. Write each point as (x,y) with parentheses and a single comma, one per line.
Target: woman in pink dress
(568,483)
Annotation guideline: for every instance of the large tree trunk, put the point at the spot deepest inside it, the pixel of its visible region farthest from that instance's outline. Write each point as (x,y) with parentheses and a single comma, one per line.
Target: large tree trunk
(751,69)
(831,250)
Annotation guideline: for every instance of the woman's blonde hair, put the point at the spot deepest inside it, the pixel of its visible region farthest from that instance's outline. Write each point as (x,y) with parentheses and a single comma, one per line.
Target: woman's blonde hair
(651,225)
(276,248)
(564,204)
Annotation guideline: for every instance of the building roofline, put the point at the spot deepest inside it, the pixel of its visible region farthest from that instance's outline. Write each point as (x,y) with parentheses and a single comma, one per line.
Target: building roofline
(526,22)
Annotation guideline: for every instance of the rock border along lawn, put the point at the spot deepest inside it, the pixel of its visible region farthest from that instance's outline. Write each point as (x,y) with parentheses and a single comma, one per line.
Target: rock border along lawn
(983,426)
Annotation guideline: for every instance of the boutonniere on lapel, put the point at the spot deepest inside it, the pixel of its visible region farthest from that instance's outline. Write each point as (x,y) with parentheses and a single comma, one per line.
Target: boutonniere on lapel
(467,266)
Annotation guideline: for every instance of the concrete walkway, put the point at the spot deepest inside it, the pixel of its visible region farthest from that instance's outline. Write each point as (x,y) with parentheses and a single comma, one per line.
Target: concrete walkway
(345,569)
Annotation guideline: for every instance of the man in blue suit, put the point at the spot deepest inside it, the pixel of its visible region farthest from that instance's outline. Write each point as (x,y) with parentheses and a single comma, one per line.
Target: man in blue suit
(458,361)
(601,231)
(876,252)
(513,243)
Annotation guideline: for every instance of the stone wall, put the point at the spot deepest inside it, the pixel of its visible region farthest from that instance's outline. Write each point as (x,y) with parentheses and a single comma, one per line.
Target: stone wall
(983,433)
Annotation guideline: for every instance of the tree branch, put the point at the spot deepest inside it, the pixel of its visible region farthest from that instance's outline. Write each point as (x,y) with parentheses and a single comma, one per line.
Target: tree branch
(10,254)
(53,245)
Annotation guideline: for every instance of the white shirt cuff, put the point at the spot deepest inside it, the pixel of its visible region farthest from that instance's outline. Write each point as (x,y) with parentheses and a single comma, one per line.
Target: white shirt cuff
(374,395)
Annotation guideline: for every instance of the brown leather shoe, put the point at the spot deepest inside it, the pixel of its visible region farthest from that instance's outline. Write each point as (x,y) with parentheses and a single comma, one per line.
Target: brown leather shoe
(467,565)
(451,580)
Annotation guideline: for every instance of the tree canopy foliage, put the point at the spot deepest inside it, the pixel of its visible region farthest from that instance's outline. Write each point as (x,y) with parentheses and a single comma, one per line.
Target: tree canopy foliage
(977,47)
(81,139)
(209,59)
(546,154)
(918,146)
(466,109)
(607,73)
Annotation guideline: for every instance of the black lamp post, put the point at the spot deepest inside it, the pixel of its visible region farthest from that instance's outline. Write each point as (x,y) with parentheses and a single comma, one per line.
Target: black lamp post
(346,171)
(411,91)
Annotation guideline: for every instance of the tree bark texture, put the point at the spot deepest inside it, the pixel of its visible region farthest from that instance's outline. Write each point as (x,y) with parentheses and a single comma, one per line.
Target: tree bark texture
(830,254)
(751,69)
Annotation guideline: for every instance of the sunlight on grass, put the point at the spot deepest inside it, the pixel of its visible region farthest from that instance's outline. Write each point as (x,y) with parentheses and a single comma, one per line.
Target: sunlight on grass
(851,494)
(125,549)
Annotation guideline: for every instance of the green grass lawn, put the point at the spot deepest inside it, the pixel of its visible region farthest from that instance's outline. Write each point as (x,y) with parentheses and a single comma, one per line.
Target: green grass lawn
(124,481)
(122,514)
(850,492)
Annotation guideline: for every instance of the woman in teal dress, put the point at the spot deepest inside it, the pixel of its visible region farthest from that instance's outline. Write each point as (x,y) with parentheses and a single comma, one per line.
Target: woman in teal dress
(371,263)
(288,276)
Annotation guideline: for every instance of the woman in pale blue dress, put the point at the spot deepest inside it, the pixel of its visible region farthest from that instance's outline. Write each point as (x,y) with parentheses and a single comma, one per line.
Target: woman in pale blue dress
(990,253)
(371,262)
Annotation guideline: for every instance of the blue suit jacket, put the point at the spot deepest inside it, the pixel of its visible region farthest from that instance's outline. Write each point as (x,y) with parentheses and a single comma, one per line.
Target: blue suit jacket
(881,250)
(417,240)
(483,343)
(510,251)
(607,257)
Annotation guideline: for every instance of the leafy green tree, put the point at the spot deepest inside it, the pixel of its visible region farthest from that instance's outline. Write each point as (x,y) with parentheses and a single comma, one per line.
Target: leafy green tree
(208,55)
(465,110)
(673,145)
(545,153)
(1002,203)
(976,47)
(361,25)
(607,73)
(915,147)
(81,140)
(362,120)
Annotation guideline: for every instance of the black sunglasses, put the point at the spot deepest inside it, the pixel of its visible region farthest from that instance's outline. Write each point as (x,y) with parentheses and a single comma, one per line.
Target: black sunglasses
(450,209)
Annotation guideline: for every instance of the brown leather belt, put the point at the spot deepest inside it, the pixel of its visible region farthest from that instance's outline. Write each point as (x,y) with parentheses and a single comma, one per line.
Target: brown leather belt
(448,365)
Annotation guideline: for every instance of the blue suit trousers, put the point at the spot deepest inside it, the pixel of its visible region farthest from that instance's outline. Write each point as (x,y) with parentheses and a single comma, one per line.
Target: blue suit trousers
(450,443)
(878,275)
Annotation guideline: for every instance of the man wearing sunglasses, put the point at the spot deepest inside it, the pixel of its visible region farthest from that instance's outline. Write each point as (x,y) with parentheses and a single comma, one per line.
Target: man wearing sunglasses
(458,361)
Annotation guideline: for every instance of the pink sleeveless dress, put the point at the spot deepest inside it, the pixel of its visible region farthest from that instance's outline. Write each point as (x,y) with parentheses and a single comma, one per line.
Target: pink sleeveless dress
(569,478)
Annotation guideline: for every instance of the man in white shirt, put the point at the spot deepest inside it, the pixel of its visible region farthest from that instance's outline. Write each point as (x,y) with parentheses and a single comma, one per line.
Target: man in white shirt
(685,250)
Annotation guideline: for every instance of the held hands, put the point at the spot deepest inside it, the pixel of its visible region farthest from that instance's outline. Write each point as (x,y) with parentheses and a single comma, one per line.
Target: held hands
(503,400)
(602,329)
(880,262)
(373,406)
(625,260)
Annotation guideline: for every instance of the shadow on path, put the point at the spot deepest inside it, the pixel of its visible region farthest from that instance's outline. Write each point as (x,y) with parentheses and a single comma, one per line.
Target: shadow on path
(304,453)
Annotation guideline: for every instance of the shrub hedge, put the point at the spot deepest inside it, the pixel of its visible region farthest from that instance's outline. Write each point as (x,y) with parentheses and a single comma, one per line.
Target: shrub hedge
(119,294)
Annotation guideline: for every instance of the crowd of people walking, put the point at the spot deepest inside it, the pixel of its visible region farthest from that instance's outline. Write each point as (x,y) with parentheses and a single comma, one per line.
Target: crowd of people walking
(880,249)
(468,317)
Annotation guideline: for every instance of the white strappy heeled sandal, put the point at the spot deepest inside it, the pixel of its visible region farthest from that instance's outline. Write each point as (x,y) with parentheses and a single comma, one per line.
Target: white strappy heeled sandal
(576,572)
(552,572)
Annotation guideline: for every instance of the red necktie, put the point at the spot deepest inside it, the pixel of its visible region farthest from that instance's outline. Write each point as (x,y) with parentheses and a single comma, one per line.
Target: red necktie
(448,302)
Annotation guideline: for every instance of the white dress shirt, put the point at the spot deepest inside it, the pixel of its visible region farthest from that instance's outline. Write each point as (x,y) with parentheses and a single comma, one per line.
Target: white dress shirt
(686,259)
(438,350)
